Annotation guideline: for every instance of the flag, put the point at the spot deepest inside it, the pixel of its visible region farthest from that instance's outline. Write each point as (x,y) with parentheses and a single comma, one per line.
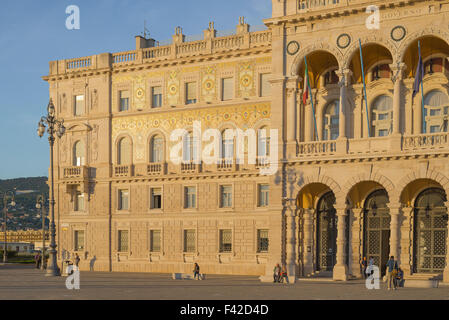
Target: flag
(305,95)
(418,76)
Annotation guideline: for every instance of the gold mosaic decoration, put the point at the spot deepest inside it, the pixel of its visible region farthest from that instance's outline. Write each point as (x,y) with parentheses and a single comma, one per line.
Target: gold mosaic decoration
(243,116)
(173,88)
(139,92)
(246,80)
(208,85)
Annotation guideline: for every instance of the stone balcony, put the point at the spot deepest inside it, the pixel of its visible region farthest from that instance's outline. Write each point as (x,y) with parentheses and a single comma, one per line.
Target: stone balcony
(75,173)
(226,165)
(406,145)
(124,171)
(157,169)
(189,168)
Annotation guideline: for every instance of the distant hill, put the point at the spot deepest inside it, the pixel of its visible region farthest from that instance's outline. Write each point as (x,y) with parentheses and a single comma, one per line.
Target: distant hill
(26,185)
(24,215)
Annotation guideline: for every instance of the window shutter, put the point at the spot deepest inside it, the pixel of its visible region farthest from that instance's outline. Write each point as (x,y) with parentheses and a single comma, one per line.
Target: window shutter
(265,86)
(228,88)
(191,90)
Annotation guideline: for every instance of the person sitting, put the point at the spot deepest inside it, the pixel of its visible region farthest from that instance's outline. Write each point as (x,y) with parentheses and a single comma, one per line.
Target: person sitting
(400,278)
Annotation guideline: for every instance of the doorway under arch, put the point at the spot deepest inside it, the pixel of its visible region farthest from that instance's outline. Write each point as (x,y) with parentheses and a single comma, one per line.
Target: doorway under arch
(376,229)
(326,233)
(430,231)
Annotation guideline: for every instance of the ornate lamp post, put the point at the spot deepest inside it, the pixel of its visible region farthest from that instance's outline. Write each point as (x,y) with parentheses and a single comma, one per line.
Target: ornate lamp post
(6,195)
(40,205)
(55,126)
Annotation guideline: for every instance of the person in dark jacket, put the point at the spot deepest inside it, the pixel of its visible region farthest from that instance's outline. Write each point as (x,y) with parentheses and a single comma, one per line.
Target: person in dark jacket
(196,271)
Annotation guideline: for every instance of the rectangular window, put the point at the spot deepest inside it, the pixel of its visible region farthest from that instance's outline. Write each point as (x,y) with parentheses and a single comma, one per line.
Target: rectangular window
(265,86)
(434,129)
(123,197)
(79,105)
(124,101)
(190,197)
(227,86)
(123,240)
(383,132)
(226,196)
(79,201)
(79,240)
(156,198)
(263,195)
(225,240)
(189,240)
(190,92)
(156,93)
(262,240)
(155,240)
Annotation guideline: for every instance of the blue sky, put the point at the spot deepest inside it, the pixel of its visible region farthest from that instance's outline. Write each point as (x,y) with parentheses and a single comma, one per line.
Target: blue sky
(33,32)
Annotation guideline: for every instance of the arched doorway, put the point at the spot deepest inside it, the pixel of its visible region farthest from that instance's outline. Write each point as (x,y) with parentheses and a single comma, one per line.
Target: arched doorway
(326,233)
(430,231)
(376,229)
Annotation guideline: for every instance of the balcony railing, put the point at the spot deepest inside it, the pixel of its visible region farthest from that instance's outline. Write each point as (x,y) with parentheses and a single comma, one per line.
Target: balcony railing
(319,147)
(226,165)
(156,168)
(75,173)
(123,171)
(426,142)
(190,167)
(407,144)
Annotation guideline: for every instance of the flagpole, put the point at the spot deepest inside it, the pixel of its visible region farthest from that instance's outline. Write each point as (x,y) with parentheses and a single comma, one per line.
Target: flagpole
(364,89)
(424,129)
(311,96)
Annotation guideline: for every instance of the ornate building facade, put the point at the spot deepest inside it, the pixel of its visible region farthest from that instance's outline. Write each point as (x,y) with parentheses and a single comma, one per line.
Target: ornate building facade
(356,178)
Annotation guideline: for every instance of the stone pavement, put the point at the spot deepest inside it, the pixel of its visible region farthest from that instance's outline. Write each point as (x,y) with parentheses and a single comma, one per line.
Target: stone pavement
(26,282)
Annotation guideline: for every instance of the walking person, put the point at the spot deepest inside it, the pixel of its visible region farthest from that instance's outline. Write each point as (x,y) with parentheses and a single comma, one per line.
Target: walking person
(392,268)
(364,265)
(77,261)
(284,274)
(277,273)
(37,259)
(196,271)
(371,265)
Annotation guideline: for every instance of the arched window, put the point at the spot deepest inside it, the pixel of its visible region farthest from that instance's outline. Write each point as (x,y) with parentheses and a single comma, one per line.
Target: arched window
(79,154)
(331,121)
(124,152)
(227,145)
(436,105)
(382,116)
(156,149)
(190,147)
(263,142)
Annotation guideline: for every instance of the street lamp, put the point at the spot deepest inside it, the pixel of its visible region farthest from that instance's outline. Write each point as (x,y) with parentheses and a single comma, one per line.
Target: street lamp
(6,195)
(40,205)
(55,126)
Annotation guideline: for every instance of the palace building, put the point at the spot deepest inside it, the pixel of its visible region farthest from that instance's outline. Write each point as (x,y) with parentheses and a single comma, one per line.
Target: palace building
(357,177)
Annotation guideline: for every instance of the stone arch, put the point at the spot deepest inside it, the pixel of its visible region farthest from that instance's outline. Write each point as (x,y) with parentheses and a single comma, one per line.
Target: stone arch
(323,179)
(320,46)
(431,31)
(430,174)
(370,39)
(373,176)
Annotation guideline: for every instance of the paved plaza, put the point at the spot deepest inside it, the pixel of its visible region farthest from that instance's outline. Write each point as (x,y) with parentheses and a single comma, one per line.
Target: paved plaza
(26,282)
